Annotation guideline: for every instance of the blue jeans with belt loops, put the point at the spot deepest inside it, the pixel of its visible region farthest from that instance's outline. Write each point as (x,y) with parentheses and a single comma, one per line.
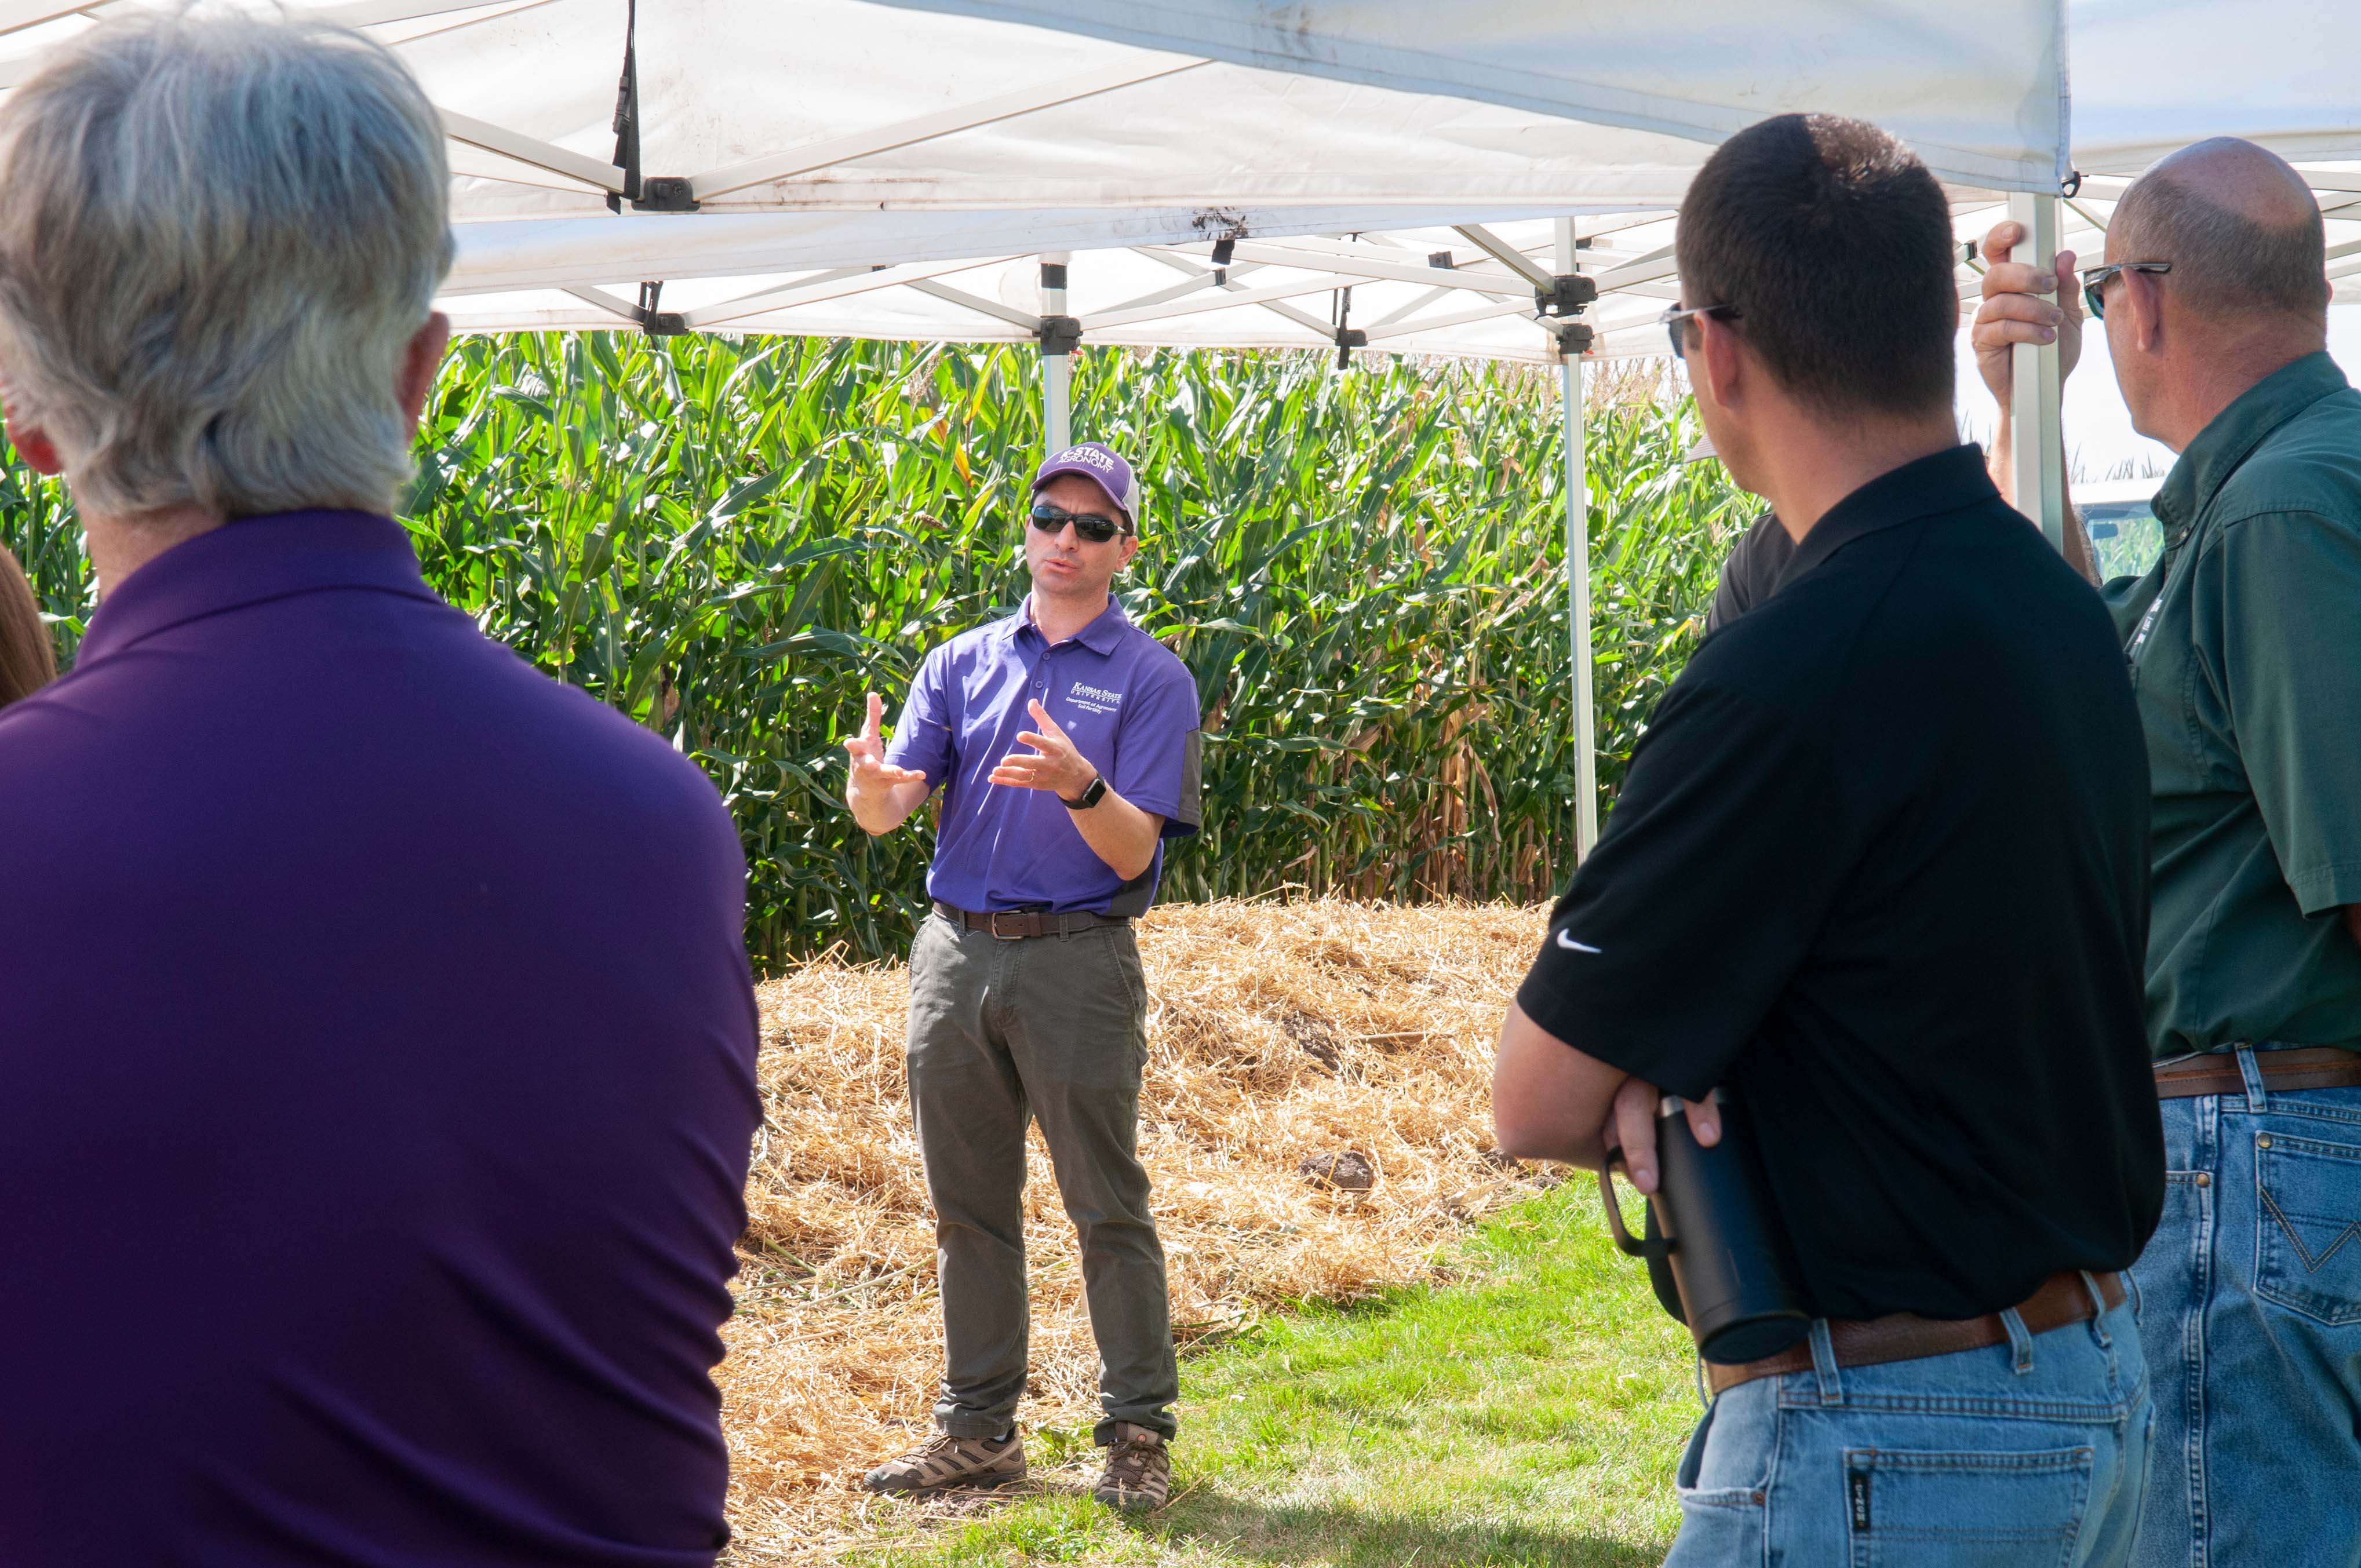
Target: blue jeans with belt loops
(2029,1454)
(2250,1308)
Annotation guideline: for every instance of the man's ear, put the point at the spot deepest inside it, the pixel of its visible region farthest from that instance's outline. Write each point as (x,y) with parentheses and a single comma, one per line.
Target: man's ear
(1715,351)
(420,359)
(2141,308)
(39,452)
(31,441)
(1130,548)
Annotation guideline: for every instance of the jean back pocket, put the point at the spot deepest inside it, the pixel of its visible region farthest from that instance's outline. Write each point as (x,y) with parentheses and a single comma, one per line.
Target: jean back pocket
(1912,1509)
(2308,1226)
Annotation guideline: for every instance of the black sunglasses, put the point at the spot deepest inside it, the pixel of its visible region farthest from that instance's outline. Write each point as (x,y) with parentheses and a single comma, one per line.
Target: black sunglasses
(1674,320)
(1088,525)
(2095,280)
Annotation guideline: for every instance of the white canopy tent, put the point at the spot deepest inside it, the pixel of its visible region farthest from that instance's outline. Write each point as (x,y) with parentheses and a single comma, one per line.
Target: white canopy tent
(1373,175)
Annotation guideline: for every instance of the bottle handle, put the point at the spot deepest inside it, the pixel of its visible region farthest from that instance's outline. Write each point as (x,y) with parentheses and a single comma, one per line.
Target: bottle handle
(1654,1251)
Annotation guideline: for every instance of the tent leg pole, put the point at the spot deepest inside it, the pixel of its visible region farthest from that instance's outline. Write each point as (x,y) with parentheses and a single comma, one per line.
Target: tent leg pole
(1577,578)
(2037,455)
(1577,601)
(1056,401)
(1057,367)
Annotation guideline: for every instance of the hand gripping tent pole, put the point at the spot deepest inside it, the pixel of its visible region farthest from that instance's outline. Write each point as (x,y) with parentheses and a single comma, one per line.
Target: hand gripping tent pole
(1577,565)
(2036,442)
(2036,445)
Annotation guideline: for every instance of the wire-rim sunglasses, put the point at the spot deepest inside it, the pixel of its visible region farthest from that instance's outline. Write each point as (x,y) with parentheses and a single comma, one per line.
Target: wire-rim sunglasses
(1088,525)
(1670,322)
(2095,280)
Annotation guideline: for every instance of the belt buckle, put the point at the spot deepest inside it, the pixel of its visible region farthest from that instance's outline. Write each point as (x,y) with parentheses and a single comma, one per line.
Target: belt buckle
(992,924)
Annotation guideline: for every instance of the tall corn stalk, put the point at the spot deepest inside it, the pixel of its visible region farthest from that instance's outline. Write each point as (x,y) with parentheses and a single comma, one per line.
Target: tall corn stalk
(731,542)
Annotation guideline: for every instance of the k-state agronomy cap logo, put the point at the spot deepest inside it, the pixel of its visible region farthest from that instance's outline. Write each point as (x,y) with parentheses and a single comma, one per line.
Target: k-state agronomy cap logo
(1101,465)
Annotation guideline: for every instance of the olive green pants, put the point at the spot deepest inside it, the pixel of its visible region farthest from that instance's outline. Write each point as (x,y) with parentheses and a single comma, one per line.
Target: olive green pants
(1051,1029)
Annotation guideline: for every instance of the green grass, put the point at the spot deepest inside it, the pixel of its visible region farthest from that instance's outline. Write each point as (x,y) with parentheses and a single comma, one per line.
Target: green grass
(1529,1413)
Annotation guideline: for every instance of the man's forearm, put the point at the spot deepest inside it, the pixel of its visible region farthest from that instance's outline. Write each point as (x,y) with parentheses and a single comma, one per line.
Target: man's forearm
(1119,833)
(1550,1100)
(881,812)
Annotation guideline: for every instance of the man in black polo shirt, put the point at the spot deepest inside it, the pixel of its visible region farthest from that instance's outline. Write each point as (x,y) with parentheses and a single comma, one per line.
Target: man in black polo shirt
(1878,873)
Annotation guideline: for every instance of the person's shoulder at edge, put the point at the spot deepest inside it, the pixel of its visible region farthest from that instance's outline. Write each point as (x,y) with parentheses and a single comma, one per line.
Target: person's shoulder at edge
(2311,465)
(1750,571)
(632,757)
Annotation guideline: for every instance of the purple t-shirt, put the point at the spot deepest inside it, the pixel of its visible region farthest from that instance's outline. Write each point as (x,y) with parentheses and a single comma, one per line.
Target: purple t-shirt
(1127,702)
(377,1079)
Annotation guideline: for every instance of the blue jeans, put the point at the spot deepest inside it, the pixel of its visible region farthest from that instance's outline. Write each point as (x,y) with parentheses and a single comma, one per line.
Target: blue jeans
(2250,1297)
(2029,1454)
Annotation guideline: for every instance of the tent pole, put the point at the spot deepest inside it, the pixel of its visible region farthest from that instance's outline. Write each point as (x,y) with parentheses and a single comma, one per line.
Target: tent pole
(2037,450)
(1057,358)
(1578,577)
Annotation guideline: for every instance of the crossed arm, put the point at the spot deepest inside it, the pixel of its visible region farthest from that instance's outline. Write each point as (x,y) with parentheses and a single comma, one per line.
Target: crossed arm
(1553,1101)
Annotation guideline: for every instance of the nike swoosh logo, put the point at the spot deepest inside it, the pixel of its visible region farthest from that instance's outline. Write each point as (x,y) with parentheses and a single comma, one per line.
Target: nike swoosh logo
(1571,945)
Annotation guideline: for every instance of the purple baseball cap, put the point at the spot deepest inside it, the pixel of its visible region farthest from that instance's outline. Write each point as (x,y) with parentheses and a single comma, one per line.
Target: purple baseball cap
(1100,465)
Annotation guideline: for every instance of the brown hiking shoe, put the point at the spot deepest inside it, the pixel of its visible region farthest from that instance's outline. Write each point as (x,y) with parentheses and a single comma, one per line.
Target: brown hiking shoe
(1138,1473)
(947,1461)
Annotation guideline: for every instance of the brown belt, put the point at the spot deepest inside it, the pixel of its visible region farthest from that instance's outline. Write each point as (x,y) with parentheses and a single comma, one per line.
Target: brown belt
(1906,1336)
(2313,1067)
(1014,925)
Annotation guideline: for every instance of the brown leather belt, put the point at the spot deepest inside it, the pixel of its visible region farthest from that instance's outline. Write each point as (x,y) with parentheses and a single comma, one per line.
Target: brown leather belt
(2063,1298)
(2311,1067)
(1015,924)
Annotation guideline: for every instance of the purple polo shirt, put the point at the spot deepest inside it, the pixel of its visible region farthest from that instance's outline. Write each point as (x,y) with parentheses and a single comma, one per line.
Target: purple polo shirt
(1124,700)
(376,1076)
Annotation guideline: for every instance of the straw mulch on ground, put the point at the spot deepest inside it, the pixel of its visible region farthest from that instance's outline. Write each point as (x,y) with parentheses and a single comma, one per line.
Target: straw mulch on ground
(1276,1033)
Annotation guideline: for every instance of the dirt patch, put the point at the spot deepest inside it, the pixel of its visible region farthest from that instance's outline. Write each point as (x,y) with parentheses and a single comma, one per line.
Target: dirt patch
(1275,1033)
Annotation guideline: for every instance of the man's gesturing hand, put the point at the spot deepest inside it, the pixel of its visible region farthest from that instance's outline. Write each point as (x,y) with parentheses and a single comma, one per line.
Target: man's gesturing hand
(2014,311)
(1054,765)
(1632,1126)
(873,775)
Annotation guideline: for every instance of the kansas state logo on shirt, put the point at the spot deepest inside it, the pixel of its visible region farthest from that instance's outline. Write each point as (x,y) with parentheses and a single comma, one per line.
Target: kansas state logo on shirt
(1094,699)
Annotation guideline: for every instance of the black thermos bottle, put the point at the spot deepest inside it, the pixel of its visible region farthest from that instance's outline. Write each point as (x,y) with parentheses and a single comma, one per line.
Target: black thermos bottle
(1729,1254)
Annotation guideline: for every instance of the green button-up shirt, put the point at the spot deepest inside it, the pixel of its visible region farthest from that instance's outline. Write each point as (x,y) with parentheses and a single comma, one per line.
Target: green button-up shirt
(2245,642)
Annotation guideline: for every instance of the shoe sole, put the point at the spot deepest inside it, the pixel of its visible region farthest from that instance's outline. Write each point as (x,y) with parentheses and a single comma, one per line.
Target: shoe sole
(957,1484)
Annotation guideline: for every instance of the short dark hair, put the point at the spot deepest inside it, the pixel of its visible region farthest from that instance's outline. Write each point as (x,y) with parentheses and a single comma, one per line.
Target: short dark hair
(2225,263)
(1834,243)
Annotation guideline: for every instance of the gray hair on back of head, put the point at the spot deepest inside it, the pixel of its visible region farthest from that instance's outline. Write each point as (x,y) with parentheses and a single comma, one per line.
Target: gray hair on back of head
(2227,263)
(220,234)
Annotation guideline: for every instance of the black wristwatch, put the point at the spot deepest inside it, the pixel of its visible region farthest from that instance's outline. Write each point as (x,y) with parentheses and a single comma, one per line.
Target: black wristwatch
(1090,796)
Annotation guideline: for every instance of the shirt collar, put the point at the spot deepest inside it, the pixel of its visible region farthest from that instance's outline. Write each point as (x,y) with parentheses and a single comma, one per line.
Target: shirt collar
(249,561)
(1101,636)
(2231,436)
(1940,482)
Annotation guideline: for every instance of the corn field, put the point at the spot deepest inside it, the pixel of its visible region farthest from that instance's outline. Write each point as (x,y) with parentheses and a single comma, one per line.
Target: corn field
(732,541)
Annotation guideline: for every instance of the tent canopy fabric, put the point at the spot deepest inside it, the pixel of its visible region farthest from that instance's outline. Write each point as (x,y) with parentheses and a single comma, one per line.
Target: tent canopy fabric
(865,169)
(1974,89)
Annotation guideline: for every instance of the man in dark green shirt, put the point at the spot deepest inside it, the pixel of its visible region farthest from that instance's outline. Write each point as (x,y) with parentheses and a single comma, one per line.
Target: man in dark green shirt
(2245,647)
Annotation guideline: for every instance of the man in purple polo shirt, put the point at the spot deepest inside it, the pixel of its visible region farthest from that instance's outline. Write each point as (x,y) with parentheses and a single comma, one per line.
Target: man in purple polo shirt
(376,1039)
(1065,739)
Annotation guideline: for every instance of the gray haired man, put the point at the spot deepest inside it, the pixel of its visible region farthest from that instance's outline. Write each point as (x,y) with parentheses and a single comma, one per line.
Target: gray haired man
(2245,646)
(371,1157)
